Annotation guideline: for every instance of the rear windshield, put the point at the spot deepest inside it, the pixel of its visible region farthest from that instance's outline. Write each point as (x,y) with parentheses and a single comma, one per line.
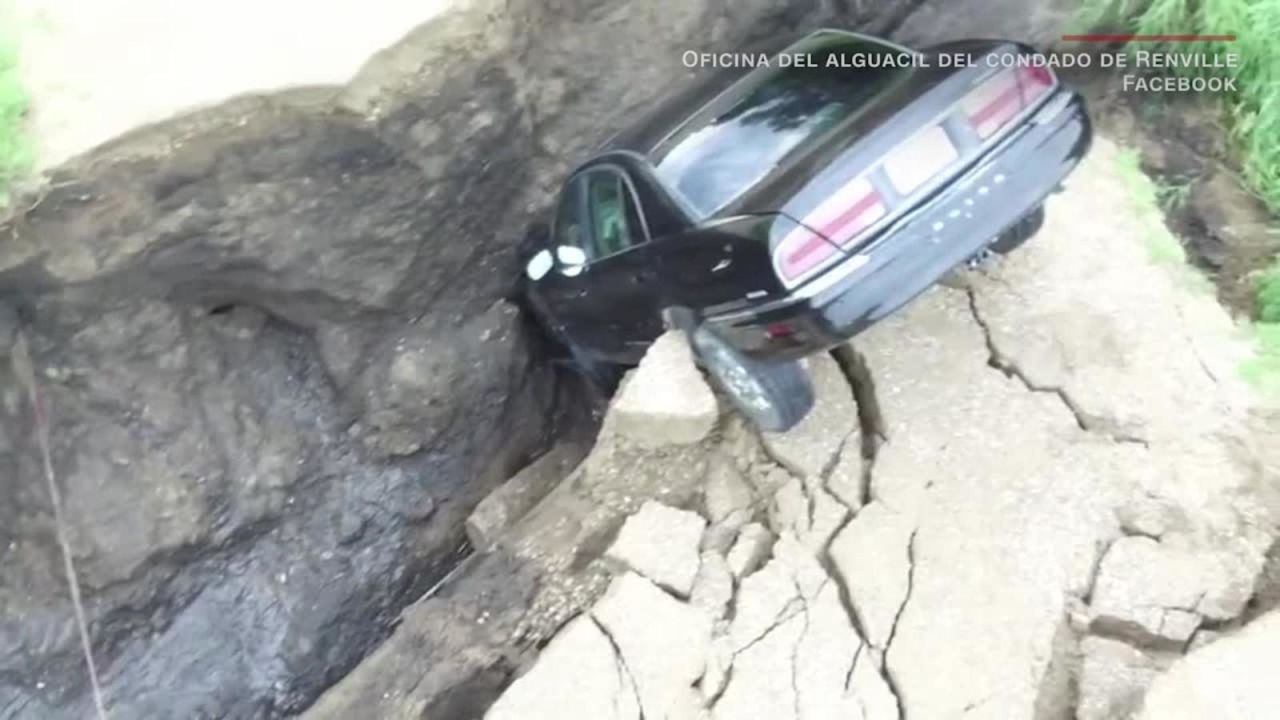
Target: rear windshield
(737,140)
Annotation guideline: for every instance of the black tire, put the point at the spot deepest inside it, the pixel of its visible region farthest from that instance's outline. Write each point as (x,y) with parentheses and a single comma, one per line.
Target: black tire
(774,396)
(1020,232)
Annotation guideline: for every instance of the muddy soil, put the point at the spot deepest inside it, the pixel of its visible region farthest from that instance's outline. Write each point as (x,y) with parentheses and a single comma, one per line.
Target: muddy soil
(1184,144)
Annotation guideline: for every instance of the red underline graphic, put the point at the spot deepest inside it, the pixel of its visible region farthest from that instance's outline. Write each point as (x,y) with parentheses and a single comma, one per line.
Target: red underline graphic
(1149,38)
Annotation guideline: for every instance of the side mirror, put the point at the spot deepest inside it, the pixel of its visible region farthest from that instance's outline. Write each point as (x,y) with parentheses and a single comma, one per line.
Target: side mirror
(572,260)
(539,265)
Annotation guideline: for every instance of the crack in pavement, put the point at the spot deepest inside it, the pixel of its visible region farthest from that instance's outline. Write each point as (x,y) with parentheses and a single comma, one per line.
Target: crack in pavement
(997,360)
(788,611)
(795,650)
(889,678)
(620,662)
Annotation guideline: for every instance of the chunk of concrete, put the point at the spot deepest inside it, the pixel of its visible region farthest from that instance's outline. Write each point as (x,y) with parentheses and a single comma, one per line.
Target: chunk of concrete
(1113,678)
(661,543)
(1159,593)
(578,670)
(663,642)
(507,504)
(1235,677)
(797,653)
(750,550)
(803,508)
(713,586)
(872,560)
(727,492)
(666,400)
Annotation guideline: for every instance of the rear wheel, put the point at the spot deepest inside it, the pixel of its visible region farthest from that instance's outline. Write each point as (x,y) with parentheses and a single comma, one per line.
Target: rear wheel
(1020,232)
(774,396)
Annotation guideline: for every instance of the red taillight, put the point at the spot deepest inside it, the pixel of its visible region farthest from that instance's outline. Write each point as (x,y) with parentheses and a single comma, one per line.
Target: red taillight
(801,252)
(843,217)
(1004,96)
(778,331)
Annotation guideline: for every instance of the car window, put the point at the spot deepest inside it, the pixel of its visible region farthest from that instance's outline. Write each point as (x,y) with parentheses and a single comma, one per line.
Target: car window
(733,143)
(615,222)
(568,229)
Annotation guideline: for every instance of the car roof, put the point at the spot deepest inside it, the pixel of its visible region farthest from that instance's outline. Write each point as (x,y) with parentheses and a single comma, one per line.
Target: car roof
(704,86)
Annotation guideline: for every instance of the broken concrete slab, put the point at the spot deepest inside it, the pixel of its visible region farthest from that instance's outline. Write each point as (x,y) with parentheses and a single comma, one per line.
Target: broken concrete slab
(663,644)
(847,480)
(872,557)
(579,669)
(727,492)
(1144,353)
(751,548)
(796,650)
(666,400)
(661,543)
(713,586)
(811,447)
(1232,678)
(511,500)
(1007,528)
(1158,593)
(805,509)
(1114,676)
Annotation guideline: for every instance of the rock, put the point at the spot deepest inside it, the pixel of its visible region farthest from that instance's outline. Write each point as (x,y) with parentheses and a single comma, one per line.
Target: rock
(663,644)
(713,586)
(726,492)
(807,511)
(797,652)
(719,537)
(716,677)
(1113,678)
(578,673)
(511,500)
(665,401)
(1152,517)
(750,550)
(810,448)
(872,558)
(661,543)
(1232,678)
(1156,592)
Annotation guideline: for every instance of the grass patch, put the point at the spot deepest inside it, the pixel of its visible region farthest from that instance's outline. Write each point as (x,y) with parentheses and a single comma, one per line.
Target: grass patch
(15,147)
(1161,244)
(1269,295)
(1254,109)
(1253,112)
(1264,368)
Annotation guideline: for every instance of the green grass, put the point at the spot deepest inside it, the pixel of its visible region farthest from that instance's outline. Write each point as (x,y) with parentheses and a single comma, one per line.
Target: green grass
(1254,110)
(1269,295)
(1161,244)
(1264,368)
(1253,114)
(15,146)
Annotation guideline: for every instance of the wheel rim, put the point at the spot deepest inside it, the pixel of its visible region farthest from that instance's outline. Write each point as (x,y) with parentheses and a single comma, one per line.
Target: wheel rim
(740,382)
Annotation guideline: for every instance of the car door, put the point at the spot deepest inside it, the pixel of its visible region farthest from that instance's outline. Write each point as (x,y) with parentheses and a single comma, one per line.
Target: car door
(606,307)
(622,266)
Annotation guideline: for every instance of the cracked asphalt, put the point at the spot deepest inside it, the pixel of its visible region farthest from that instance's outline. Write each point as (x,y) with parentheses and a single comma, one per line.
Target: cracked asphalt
(1030,494)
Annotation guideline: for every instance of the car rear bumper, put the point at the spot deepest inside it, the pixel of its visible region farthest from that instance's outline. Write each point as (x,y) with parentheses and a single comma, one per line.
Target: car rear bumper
(908,258)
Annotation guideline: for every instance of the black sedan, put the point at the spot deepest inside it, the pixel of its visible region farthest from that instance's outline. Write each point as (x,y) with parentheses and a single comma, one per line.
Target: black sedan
(776,211)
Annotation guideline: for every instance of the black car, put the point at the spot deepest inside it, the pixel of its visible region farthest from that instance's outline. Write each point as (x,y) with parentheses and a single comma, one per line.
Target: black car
(776,211)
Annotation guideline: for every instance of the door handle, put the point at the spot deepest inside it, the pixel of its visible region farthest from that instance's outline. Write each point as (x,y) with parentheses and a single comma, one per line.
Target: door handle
(644,276)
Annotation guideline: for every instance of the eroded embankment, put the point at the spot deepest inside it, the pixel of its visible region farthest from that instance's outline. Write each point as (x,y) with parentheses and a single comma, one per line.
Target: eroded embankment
(1024,496)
